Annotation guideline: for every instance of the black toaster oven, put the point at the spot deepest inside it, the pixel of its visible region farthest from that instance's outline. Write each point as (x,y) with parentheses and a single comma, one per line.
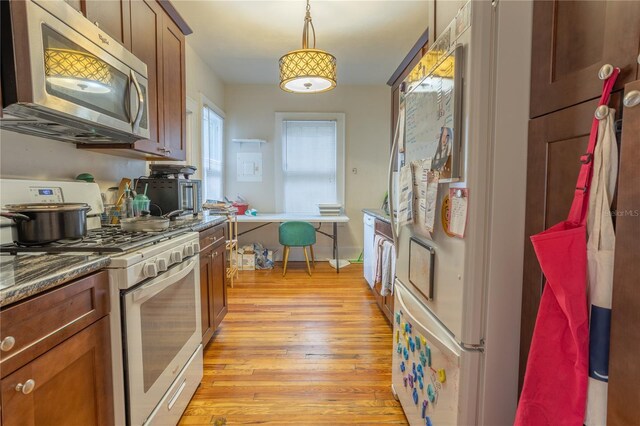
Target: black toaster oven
(169,194)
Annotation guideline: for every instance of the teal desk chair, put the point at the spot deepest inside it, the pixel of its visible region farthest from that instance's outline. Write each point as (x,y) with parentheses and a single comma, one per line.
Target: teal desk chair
(297,234)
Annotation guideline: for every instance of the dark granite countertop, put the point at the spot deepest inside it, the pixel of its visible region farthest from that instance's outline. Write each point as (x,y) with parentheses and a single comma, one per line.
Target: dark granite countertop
(198,224)
(24,275)
(378,214)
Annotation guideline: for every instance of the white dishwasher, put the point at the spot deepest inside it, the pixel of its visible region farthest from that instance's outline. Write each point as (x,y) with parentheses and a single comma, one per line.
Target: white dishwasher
(368,252)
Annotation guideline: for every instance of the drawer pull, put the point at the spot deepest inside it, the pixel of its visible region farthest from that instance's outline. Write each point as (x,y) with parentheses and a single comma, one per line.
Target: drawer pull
(7,344)
(27,387)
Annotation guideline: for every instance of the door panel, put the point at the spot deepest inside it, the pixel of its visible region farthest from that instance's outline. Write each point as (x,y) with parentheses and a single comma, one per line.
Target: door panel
(174,98)
(112,17)
(146,18)
(624,369)
(571,41)
(218,282)
(556,142)
(72,383)
(205,297)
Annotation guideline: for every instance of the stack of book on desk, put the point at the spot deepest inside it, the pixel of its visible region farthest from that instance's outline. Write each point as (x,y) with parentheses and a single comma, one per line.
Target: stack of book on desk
(330,209)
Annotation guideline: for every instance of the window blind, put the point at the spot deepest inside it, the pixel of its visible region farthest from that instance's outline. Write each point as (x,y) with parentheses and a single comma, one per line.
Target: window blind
(212,126)
(309,165)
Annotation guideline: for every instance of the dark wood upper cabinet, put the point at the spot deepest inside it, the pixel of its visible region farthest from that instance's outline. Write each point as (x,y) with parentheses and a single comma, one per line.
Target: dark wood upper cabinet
(571,42)
(147,46)
(112,17)
(174,102)
(155,33)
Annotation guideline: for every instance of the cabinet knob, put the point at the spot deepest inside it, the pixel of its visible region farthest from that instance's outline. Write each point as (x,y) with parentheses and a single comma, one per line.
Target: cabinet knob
(27,387)
(605,72)
(7,344)
(97,24)
(632,99)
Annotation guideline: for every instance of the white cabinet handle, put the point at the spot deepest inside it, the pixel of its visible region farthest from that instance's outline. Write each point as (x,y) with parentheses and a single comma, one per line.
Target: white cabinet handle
(632,99)
(27,387)
(7,343)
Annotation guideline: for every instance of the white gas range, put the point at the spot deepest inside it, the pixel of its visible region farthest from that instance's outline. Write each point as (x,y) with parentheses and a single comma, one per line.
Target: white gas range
(155,304)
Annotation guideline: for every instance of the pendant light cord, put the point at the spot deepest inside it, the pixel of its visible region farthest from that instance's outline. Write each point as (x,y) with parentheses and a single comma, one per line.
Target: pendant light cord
(305,31)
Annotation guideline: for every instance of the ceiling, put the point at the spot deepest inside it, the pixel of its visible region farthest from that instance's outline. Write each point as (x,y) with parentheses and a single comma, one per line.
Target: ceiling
(243,40)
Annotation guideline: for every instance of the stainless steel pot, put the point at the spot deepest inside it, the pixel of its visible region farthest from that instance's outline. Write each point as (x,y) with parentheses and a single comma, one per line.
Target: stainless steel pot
(41,223)
(148,223)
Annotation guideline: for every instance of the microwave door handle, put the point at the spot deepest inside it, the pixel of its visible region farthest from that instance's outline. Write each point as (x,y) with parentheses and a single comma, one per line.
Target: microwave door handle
(136,122)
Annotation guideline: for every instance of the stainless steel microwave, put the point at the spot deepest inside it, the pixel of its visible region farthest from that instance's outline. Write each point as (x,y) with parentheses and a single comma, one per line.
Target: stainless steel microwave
(64,78)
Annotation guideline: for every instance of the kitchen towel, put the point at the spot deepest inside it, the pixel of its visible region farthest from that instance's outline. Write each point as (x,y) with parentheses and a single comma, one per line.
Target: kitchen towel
(378,240)
(555,382)
(388,268)
(600,254)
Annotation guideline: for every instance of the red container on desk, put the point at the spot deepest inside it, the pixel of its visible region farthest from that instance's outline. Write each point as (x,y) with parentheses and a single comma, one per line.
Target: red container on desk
(242,207)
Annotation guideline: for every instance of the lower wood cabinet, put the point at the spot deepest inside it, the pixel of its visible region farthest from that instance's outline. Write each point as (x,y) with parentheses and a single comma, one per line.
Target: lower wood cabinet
(58,371)
(68,385)
(213,286)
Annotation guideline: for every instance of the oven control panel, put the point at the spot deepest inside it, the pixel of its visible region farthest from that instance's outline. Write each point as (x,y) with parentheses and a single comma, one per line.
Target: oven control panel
(41,194)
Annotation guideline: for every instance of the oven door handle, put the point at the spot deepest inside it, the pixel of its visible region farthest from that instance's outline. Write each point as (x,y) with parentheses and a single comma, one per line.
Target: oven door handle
(154,287)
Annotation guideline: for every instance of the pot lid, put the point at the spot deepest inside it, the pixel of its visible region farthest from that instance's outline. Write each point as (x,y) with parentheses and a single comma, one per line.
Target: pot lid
(46,207)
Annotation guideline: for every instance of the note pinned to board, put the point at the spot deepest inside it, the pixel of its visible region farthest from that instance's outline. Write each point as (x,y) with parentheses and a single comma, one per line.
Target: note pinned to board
(459,200)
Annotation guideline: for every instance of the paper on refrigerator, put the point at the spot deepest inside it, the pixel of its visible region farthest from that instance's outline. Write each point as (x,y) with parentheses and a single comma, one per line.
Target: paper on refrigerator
(405,206)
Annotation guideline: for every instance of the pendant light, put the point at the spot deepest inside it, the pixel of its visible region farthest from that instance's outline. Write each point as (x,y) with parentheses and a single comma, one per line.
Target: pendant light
(308,70)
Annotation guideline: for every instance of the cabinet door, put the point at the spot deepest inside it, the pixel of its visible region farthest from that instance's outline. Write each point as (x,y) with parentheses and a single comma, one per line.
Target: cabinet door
(174,96)
(72,383)
(556,142)
(387,307)
(146,44)
(112,16)
(571,41)
(219,286)
(206,296)
(624,370)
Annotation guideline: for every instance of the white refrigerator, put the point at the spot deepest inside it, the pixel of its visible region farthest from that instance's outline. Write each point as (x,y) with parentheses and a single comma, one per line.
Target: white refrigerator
(457,299)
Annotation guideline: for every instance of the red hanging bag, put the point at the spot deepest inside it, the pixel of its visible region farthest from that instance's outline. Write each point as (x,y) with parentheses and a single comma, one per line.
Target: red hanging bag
(555,382)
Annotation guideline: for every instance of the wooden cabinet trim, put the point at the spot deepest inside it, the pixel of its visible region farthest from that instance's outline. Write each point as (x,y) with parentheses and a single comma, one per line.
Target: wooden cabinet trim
(397,75)
(48,319)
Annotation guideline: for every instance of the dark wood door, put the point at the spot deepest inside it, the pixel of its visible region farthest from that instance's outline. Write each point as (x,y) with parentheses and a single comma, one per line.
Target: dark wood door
(146,43)
(174,95)
(556,142)
(219,285)
(571,41)
(206,296)
(112,16)
(72,383)
(624,368)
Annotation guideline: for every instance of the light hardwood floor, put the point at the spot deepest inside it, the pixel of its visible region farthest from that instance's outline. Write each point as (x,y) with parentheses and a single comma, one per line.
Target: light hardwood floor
(298,350)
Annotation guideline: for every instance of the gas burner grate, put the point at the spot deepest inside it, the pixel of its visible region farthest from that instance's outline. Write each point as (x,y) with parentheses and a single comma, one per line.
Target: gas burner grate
(107,240)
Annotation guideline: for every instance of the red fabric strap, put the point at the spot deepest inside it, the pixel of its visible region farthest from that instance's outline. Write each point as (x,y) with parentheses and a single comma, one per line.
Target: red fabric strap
(580,204)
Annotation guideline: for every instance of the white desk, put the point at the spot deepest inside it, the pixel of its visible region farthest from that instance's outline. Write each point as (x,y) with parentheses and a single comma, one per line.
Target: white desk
(267,218)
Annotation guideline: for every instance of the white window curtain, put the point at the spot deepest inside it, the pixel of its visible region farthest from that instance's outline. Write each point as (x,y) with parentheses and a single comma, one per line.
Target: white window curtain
(212,128)
(309,164)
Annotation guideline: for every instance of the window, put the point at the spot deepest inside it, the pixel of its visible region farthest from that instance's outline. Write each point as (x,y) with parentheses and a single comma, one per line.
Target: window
(212,174)
(311,168)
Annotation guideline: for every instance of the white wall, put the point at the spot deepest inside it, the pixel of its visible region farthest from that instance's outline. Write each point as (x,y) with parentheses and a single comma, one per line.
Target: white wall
(32,157)
(251,112)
